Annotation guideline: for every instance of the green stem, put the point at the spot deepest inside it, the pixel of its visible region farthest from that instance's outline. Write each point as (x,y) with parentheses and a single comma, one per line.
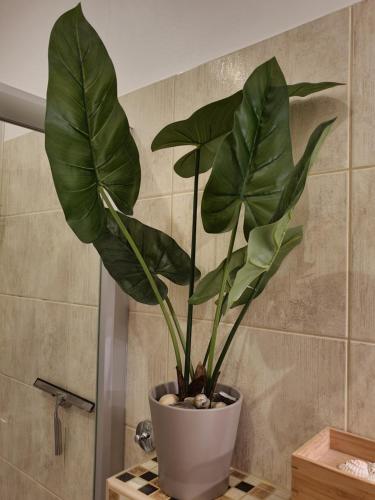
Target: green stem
(220,304)
(147,272)
(207,353)
(208,347)
(189,324)
(233,332)
(229,341)
(179,330)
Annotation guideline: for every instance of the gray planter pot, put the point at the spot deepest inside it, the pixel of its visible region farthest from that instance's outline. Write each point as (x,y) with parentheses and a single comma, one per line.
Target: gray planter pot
(194,447)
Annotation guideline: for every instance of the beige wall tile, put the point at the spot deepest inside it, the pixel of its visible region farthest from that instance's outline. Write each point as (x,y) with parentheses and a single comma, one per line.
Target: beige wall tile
(362,259)
(27,184)
(146,363)
(293,386)
(60,341)
(363,81)
(14,485)
(155,212)
(41,257)
(361,401)
(79,448)
(308,293)
(149,109)
(26,440)
(2,130)
(133,453)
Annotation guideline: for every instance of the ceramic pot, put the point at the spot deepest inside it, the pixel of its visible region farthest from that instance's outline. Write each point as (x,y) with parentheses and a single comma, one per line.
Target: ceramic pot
(194,447)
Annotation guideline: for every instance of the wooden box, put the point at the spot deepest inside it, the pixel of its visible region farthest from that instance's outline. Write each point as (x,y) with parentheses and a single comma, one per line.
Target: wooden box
(315,475)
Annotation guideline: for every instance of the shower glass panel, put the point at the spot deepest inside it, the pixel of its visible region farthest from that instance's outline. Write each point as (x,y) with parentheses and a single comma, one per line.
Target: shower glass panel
(49,297)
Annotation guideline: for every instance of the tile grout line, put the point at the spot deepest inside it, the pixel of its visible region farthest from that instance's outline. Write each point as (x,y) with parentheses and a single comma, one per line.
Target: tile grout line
(29,214)
(30,478)
(18,381)
(49,301)
(171,215)
(254,327)
(369,343)
(189,191)
(349,224)
(2,135)
(32,387)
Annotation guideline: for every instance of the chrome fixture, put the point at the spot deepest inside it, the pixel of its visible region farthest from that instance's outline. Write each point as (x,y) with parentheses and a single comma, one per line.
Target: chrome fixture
(64,399)
(60,401)
(144,436)
(21,108)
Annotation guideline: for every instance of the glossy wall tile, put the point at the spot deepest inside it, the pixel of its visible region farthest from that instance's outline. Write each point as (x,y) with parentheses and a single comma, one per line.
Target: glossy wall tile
(26,170)
(16,485)
(49,294)
(363,81)
(157,102)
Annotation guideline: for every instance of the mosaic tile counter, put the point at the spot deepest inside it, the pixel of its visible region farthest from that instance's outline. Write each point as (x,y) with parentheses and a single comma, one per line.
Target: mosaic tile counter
(142,481)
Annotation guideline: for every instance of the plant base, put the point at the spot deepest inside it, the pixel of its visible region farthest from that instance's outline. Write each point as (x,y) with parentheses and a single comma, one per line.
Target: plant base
(194,447)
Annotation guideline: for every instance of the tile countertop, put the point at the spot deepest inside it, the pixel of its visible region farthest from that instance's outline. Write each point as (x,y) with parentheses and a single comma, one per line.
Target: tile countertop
(142,481)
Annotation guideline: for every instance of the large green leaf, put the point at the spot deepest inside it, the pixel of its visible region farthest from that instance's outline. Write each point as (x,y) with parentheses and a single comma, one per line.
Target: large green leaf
(88,140)
(161,253)
(185,166)
(209,285)
(292,238)
(296,183)
(207,127)
(255,159)
(265,242)
(304,89)
(263,246)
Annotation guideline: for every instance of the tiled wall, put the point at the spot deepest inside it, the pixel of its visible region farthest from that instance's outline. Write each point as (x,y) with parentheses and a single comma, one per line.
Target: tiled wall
(49,285)
(305,355)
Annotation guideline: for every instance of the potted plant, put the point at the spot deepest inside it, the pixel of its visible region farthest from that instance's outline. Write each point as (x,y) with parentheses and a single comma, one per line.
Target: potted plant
(245,140)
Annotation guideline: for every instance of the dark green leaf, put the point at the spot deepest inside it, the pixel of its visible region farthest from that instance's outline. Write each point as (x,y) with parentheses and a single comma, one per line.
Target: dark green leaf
(255,159)
(304,89)
(214,122)
(293,237)
(265,241)
(185,166)
(297,179)
(205,128)
(88,140)
(209,285)
(161,253)
(262,249)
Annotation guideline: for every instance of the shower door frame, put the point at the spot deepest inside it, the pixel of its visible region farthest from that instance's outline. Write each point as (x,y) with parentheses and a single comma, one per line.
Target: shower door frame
(27,110)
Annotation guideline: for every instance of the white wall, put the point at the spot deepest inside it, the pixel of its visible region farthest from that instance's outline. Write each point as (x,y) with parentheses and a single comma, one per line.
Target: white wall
(147,39)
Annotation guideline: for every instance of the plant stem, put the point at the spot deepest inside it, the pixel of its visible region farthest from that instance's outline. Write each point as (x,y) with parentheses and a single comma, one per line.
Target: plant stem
(220,304)
(179,330)
(233,331)
(147,272)
(189,326)
(208,347)
(229,340)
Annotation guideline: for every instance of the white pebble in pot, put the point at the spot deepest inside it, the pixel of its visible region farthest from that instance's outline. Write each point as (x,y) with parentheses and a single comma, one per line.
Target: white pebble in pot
(201,401)
(219,404)
(168,399)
